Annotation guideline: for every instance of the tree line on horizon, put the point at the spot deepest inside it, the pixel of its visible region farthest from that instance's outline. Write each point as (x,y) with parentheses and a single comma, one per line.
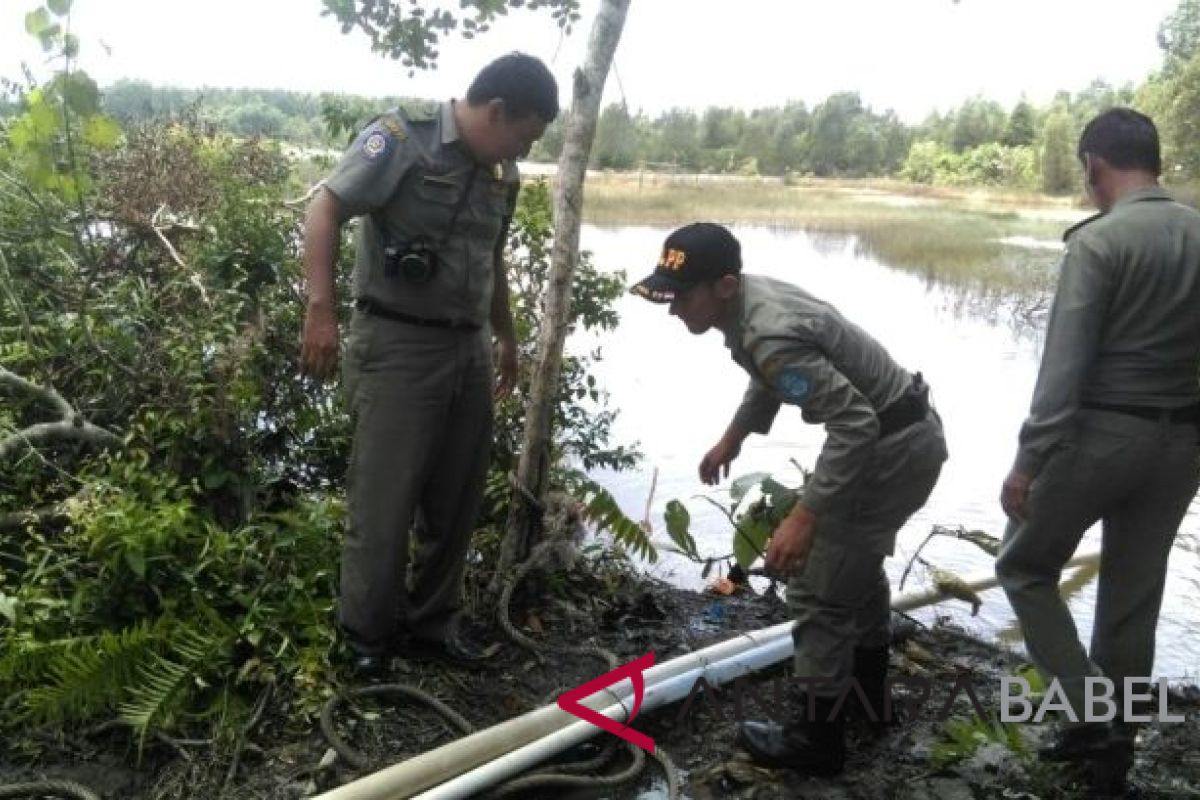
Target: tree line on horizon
(978,143)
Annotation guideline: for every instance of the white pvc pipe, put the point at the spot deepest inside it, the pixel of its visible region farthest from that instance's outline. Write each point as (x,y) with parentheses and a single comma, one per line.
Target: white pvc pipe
(661,694)
(463,767)
(436,766)
(911,600)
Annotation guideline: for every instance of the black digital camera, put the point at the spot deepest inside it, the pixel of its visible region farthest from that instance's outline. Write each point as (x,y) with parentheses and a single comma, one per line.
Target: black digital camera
(415,261)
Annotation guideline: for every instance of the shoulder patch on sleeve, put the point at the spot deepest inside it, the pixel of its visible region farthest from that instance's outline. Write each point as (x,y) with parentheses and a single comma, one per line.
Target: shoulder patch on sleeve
(792,384)
(376,145)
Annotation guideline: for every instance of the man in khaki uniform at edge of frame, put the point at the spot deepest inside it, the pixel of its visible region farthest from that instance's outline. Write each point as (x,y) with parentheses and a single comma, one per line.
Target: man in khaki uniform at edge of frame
(436,190)
(881,459)
(1111,434)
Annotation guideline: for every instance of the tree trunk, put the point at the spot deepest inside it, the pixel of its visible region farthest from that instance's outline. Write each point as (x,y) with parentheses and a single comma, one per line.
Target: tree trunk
(534,466)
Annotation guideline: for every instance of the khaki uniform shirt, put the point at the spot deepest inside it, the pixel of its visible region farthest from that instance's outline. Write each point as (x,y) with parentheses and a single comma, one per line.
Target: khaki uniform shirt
(1125,325)
(800,350)
(411,177)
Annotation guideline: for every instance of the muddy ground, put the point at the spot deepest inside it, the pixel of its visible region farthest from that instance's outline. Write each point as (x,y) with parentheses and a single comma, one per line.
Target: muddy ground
(288,757)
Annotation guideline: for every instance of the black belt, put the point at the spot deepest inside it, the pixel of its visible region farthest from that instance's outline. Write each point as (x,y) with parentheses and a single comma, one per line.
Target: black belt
(1186,414)
(908,410)
(376,310)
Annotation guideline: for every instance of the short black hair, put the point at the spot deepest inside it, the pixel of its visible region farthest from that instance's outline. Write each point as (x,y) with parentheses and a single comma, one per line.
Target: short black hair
(522,82)
(1125,138)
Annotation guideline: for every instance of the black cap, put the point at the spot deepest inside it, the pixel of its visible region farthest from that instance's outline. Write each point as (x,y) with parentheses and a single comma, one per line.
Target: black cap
(698,253)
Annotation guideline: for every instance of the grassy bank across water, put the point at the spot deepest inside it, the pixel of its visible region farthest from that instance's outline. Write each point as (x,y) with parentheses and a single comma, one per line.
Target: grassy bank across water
(964,238)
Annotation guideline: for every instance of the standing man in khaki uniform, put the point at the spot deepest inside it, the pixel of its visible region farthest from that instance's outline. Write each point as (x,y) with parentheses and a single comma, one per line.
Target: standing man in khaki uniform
(882,456)
(1112,431)
(436,190)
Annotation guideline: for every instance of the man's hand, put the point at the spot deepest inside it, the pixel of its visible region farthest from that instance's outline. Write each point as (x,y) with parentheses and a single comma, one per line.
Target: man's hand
(716,461)
(791,541)
(319,342)
(1015,494)
(506,368)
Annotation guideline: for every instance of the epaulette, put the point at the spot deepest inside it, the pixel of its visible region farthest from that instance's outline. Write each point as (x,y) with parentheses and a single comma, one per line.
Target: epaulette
(1086,221)
(419,111)
(394,124)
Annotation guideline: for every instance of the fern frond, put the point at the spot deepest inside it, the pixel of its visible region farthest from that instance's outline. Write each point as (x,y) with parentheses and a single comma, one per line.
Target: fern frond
(161,689)
(86,677)
(25,661)
(602,510)
(163,686)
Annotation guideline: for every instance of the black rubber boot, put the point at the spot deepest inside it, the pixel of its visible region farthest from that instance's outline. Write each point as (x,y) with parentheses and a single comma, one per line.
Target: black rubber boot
(871,672)
(813,745)
(1109,776)
(1089,740)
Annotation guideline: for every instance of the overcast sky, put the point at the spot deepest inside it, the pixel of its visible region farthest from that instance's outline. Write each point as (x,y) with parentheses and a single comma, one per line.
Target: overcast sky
(911,55)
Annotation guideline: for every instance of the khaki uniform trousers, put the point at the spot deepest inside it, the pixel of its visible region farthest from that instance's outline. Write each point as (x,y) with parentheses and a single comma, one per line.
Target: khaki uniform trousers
(841,598)
(1137,477)
(421,400)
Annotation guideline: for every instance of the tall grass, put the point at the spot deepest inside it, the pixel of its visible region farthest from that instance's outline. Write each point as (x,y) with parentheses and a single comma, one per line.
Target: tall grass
(948,236)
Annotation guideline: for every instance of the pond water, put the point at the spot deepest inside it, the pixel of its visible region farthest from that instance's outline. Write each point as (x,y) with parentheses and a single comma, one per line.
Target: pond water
(676,392)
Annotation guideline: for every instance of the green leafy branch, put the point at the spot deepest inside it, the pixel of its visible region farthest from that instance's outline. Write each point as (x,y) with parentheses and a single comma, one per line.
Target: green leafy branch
(42,24)
(411,32)
(601,508)
(963,737)
(752,527)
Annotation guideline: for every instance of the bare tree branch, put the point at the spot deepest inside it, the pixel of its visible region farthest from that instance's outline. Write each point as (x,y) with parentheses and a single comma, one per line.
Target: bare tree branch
(69,426)
(193,277)
(15,520)
(49,395)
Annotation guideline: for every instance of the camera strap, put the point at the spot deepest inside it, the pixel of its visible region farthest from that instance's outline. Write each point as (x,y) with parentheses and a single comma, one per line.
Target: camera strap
(459,206)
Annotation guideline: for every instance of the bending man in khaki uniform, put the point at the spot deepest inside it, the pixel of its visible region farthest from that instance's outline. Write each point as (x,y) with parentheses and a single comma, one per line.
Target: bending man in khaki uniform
(436,189)
(1112,431)
(881,459)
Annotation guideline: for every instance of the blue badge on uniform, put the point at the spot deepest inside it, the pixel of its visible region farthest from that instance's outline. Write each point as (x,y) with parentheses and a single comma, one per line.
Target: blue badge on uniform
(793,385)
(376,145)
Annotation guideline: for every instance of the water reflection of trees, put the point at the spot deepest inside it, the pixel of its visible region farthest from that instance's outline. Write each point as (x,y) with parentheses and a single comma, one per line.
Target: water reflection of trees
(831,244)
(1024,312)
(1001,283)
(1015,292)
